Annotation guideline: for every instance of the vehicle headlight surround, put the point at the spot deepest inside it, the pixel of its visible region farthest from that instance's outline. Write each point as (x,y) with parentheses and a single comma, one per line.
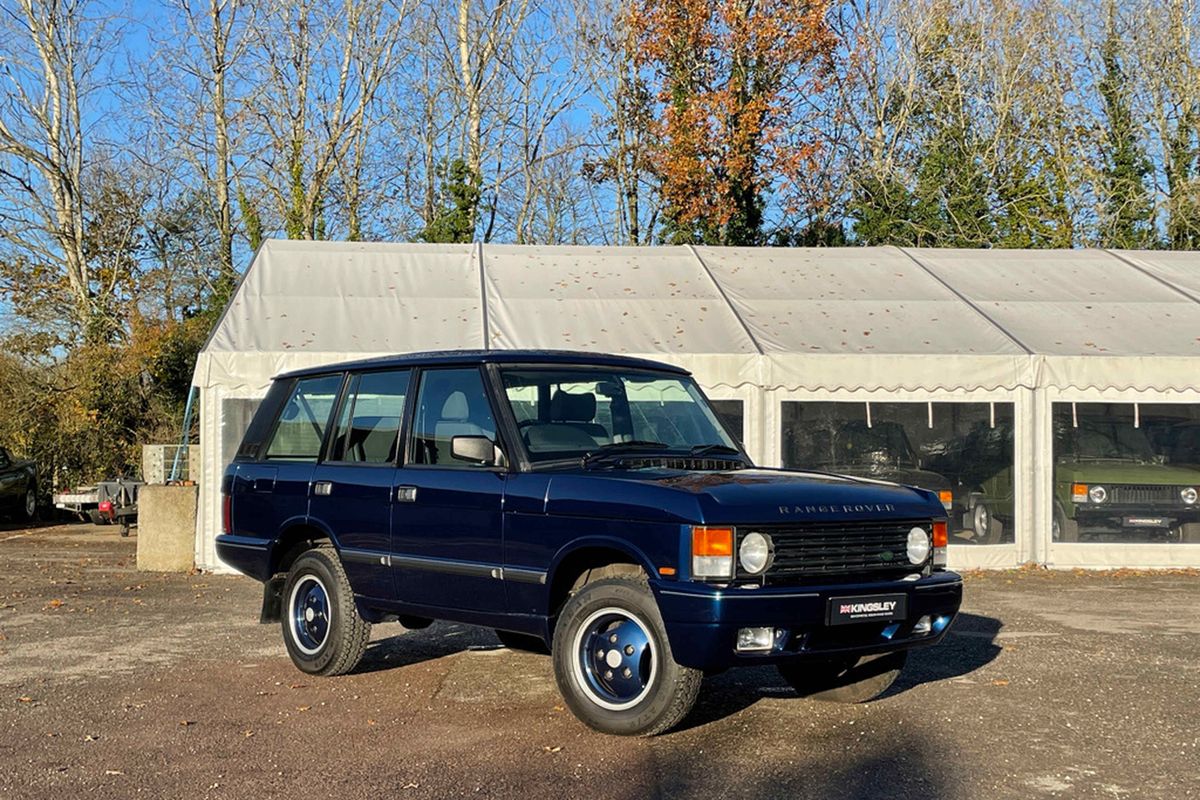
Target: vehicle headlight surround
(756,552)
(1098,494)
(919,545)
(1189,495)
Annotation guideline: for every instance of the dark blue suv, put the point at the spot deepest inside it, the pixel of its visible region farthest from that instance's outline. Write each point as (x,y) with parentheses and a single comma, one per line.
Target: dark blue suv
(592,505)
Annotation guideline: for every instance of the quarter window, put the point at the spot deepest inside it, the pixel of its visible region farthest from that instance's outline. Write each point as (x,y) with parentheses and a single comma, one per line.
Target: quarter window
(301,426)
(368,429)
(451,402)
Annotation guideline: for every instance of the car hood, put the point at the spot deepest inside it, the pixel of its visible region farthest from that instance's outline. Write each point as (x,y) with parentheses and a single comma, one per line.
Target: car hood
(909,476)
(1126,472)
(738,496)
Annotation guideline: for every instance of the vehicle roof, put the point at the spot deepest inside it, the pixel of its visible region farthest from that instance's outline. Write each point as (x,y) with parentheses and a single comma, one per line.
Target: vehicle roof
(449,357)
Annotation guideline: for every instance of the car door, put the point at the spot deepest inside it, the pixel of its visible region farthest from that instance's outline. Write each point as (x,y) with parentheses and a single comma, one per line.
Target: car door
(271,493)
(354,485)
(446,521)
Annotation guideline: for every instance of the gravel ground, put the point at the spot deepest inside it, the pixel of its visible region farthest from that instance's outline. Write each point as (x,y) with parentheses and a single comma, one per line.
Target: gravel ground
(118,683)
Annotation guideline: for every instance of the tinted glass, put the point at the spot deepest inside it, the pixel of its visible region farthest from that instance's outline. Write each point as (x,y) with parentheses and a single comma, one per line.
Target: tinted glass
(732,414)
(451,402)
(564,413)
(369,424)
(961,451)
(1126,474)
(301,426)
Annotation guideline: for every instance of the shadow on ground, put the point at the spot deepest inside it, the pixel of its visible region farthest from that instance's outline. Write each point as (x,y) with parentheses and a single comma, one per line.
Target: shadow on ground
(969,646)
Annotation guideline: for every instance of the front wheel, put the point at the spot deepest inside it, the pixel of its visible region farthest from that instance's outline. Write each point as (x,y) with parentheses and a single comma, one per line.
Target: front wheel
(987,529)
(1189,533)
(31,508)
(613,663)
(845,680)
(322,630)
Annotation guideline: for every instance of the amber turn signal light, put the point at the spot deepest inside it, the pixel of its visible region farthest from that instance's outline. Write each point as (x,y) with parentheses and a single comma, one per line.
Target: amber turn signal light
(941,534)
(712,552)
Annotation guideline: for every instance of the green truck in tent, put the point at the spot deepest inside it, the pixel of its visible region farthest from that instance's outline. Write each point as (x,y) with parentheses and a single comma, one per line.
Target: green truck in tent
(1110,483)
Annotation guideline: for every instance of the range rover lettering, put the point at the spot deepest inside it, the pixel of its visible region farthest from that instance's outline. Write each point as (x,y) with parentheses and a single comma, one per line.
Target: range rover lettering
(593,506)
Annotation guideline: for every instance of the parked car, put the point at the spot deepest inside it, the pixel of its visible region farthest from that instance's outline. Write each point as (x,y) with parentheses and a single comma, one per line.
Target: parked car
(883,451)
(1108,480)
(18,487)
(591,505)
(980,465)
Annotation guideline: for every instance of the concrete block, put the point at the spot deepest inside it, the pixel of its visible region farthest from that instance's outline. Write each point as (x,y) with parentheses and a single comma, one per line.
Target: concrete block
(166,531)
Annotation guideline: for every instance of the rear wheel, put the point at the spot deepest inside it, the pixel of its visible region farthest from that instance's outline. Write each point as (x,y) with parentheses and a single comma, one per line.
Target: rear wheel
(322,630)
(522,641)
(613,663)
(845,680)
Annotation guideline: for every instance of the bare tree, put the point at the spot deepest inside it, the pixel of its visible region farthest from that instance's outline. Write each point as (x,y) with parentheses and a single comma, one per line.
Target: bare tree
(48,68)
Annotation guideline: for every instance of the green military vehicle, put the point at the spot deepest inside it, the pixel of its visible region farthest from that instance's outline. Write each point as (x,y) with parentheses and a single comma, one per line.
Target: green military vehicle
(1109,483)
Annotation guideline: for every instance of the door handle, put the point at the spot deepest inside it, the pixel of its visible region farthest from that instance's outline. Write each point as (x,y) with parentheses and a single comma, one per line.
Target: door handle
(406,494)
(323,488)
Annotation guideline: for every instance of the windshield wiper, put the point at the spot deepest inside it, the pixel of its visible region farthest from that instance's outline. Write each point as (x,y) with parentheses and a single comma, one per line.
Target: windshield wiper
(617,449)
(714,450)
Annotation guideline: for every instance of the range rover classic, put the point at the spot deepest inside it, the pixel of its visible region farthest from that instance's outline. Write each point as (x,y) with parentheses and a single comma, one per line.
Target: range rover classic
(591,506)
(1110,483)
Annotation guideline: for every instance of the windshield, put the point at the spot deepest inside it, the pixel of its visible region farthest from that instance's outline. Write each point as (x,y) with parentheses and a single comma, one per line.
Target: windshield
(571,412)
(1096,439)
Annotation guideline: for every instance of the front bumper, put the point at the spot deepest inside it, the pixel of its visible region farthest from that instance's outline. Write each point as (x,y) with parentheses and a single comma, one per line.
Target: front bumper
(702,621)
(1110,518)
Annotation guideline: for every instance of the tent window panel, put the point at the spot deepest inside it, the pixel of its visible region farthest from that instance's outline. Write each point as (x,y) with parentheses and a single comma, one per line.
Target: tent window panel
(300,428)
(732,413)
(1126,473)
(961,451)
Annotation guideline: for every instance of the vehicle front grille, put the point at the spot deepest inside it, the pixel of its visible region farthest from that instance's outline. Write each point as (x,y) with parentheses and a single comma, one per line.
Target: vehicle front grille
(1126,495)
(814,551)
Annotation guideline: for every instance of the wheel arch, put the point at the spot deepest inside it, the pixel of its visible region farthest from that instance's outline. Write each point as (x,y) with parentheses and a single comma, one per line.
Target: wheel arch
(297,536)
(573,566)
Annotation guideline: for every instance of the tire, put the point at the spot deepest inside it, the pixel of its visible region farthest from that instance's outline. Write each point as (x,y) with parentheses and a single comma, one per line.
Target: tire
(523,642)
(29,506)
(1189,533)
(635,688)
(332,638)
(986,528)
(847,680)
(1065,530)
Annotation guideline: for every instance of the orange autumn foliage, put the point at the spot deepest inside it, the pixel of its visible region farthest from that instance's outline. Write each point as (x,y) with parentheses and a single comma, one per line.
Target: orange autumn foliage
(727,73)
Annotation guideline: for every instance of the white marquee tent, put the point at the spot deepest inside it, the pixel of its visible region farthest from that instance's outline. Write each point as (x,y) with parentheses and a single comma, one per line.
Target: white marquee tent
(764,326)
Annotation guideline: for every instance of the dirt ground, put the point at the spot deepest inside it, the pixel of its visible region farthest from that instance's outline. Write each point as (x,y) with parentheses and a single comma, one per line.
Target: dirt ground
(116,683)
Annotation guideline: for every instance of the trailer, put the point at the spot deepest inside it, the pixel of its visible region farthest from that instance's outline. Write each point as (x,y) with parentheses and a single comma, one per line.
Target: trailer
(106,503)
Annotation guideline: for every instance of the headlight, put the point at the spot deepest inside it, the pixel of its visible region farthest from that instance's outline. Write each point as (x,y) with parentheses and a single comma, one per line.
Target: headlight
(1098,494)
(918,545)
(1188,496)
(755,552)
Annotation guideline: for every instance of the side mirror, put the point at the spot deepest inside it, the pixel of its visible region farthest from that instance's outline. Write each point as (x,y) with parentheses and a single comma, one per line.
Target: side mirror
(479,450)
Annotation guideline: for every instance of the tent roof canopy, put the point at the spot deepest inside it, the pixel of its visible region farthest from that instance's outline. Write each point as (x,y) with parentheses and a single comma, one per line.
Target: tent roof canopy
(869,318)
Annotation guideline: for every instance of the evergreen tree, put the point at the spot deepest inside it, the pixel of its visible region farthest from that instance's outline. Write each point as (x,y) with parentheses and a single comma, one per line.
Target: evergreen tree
(1128,211)
(454,221)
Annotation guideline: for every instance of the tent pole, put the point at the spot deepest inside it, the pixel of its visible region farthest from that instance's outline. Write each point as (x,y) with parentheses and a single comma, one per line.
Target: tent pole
(187,429)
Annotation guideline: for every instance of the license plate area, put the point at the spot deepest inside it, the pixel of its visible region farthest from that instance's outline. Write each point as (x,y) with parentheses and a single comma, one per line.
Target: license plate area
(1146,522)
(866,608)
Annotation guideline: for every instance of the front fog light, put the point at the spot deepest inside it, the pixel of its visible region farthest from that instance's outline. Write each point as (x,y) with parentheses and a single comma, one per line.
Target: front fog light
(924,625)
(755,553)
(1188,496)
(918,545)
(752,640)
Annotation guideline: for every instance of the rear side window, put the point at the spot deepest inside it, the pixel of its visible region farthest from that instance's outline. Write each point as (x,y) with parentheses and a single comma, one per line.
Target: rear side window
(368,429)
(301,426)
(451,402)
